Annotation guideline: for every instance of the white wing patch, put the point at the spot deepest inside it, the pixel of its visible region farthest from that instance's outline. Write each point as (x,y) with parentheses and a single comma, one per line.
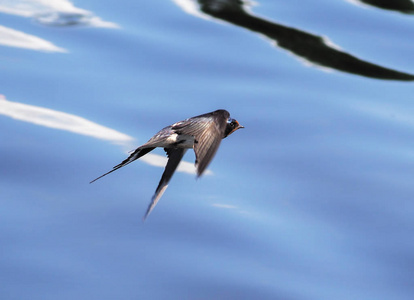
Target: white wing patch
(173,138)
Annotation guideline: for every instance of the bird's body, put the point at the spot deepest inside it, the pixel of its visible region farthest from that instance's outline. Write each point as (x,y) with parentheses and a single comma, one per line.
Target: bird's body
(202,133)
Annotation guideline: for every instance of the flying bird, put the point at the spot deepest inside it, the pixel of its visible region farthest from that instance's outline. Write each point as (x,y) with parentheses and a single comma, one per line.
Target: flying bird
(203,133)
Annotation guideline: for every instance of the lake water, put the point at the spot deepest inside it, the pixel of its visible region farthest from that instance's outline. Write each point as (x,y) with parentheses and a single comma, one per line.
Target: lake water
(314,199)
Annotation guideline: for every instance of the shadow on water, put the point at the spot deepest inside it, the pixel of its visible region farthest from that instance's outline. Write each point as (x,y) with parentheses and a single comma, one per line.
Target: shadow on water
(403,6)
(313,48)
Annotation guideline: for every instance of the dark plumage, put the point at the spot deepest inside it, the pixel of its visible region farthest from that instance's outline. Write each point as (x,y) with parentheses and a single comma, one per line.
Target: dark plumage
(203,133)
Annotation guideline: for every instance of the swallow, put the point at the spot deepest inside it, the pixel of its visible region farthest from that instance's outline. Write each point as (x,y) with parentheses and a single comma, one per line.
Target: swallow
(203,133)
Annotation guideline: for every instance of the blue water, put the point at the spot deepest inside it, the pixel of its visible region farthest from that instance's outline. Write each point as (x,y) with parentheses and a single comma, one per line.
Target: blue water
(312,200)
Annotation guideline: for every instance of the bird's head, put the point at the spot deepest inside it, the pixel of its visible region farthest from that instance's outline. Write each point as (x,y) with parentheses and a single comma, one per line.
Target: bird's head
(232,126)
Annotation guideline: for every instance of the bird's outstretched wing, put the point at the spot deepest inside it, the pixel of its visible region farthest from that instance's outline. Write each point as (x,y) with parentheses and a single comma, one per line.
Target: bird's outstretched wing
(208,131)
(174,157)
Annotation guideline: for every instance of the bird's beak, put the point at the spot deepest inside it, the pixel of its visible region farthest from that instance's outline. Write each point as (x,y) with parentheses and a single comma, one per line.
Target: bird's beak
(240,126)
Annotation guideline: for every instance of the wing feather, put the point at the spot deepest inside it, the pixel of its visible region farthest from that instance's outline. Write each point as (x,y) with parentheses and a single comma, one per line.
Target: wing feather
(174,157)
(208,131)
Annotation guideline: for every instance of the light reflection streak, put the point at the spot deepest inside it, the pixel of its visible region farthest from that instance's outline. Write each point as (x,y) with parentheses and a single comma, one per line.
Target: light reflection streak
(53,13)
(221,205)
(63,121)
(13,38)
(50,13)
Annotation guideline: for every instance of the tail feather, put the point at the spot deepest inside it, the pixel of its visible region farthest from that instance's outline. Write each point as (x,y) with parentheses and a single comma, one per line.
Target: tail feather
(139,152)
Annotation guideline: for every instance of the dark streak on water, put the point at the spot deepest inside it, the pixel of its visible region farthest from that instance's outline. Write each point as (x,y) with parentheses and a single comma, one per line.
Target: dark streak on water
(311,47)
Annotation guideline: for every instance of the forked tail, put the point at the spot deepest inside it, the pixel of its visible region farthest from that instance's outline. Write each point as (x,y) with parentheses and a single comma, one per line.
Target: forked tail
(134,156)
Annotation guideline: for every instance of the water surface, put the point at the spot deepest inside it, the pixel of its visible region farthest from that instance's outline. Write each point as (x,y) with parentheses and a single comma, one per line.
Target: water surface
(312,200)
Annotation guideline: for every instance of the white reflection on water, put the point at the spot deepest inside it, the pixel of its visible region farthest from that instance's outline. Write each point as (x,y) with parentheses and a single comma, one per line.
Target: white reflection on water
(161,161)
(228,206)
(54,13)
(46,12)
(64,121)
(60,120)
(191,8)
(13,38)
